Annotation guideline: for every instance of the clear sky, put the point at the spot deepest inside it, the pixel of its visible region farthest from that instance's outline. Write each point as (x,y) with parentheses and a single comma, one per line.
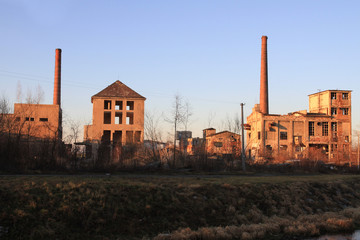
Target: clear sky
(205,50)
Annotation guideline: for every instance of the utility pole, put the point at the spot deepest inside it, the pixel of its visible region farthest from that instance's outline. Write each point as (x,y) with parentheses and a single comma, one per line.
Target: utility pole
(358,150)
(242,138)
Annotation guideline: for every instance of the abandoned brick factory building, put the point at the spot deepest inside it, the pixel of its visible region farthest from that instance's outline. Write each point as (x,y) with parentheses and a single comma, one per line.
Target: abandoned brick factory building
(325,129)
(214,143)
(118,120)
(35,121)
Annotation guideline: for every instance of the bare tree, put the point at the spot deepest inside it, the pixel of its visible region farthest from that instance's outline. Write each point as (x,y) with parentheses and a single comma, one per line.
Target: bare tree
(231,124)
(152,132)
(210,120)
(186,121)
(176,117)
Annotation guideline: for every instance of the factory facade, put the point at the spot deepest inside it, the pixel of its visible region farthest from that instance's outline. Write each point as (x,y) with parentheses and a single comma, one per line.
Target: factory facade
(323,130)
(35,121)
(118,120)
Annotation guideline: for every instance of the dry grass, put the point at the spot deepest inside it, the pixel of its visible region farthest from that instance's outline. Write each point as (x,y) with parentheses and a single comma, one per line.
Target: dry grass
(187,207)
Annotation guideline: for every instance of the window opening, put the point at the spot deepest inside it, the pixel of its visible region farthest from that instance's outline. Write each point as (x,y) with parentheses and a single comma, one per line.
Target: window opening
(333,95)
(129,105)
(137,136)
(107,104)
(283,147)
(259,135)
(129,118)
(106,136)
(334,135)
(345,96)
(129,136)
(283,135)
(118,105)
(325,128)
(333,111)
(311,129)
(117,135)
(334,126)
(345,111)
(118,117)
(346,138)
(107,117)
(43,119)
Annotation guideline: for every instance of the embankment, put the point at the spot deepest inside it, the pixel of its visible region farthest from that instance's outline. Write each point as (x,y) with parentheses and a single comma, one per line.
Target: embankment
(177,207)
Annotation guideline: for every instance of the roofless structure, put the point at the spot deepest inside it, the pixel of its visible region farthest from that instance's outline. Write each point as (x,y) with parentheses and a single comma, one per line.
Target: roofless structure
(324,131)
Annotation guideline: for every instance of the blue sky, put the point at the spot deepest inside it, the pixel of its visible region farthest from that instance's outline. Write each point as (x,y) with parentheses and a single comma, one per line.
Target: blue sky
(205,50)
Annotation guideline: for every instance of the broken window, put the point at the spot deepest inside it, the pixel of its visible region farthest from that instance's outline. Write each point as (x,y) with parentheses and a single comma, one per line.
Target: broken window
(117,135)
(129,118)
(325,128)
(283,135)
(345,96)
(311,129)
(118,105)
(129,136)
(129,105)
(333,95)
(333,111)
(106,136)
(283,147)
(268,147)
(118,117)
(345,111)
(107,104)
(334,136)
(107,117)
(137,136)
(43,119)
(333,147)
(334,126)
(346,138)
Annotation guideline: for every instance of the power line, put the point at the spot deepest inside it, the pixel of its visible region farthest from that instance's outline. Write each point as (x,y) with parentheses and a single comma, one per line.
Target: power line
(99,87)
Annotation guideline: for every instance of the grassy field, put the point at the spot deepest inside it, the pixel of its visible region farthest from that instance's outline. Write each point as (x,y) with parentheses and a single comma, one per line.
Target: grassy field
(177,207)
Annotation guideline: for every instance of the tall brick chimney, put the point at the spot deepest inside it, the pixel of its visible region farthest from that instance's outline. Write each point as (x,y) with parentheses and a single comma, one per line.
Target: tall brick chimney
(264,94)
(57,78)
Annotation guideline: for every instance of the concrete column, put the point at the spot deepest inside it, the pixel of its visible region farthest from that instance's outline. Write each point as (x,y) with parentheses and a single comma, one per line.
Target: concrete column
(264,98)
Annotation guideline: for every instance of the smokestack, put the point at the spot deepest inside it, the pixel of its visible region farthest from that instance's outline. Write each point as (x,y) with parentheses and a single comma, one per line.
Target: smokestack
(264,94)
(57,78)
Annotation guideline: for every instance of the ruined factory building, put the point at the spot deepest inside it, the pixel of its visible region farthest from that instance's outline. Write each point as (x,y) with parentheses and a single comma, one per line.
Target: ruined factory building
(215,144)
(323,133)
(34,121)
(118,118)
